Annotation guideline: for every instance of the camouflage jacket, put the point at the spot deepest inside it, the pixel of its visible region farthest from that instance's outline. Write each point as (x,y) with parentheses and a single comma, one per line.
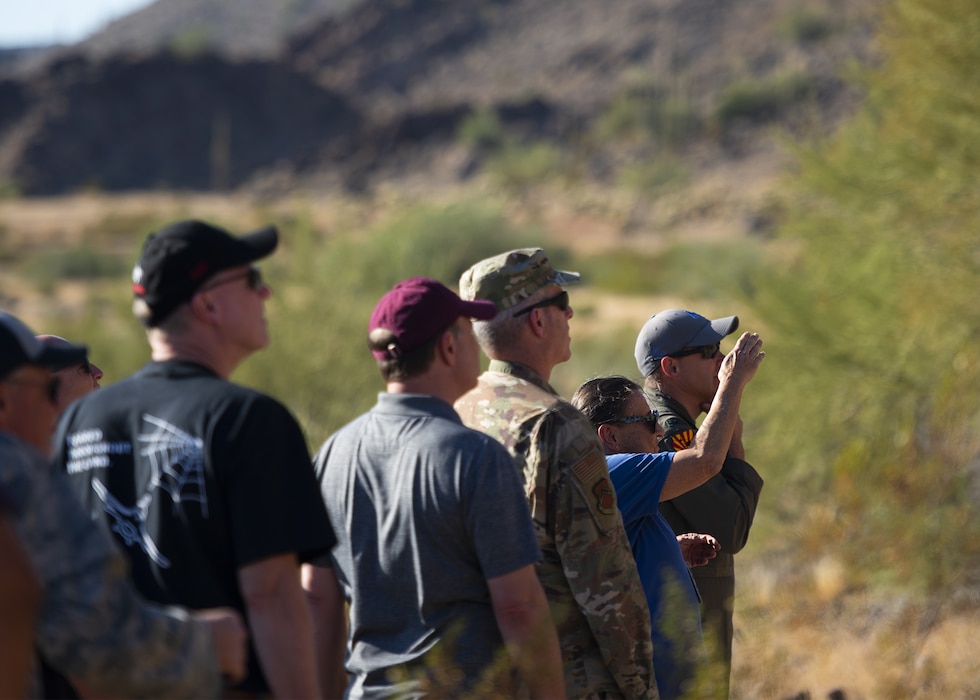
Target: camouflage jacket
(587,571)
(92,624)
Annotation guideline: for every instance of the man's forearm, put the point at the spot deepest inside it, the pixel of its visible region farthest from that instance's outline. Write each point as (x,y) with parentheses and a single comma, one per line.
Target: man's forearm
(327,608)
(279,621)
(706,455)
(715,435)
(524,620)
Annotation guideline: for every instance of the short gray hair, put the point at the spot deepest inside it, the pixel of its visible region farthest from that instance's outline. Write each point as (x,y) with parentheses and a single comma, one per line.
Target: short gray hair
(503,331)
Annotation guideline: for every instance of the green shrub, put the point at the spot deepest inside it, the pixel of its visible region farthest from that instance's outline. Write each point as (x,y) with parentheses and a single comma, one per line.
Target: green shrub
(759,100)
(659,173)
(482,131)
(665,120)
(622,272)
(804,26)
(80,263)
(520,166)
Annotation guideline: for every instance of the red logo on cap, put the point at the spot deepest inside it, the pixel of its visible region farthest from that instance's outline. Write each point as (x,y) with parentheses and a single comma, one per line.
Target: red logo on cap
(197,272)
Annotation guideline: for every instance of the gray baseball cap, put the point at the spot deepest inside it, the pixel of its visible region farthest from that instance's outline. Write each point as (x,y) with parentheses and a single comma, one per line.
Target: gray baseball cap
(670,331)
(510,278)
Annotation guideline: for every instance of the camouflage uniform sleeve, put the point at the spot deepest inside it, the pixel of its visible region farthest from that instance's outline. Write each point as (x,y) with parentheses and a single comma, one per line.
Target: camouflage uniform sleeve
(93,625)
(597,558)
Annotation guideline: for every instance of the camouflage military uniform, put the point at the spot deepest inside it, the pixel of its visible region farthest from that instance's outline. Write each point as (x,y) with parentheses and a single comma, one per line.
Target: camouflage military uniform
(92,623)
(587,572)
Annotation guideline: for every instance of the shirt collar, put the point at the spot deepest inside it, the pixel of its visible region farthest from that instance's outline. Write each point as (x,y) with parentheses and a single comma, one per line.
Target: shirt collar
(415,405)
(515,369)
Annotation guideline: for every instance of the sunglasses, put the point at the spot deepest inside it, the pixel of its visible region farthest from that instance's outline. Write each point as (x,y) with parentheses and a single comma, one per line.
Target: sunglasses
(252,277)
(560,300)
(706,351)
(649,419)
(50,386)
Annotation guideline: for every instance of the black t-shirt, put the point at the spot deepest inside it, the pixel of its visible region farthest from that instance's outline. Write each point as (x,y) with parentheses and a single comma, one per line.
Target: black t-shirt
(195,477)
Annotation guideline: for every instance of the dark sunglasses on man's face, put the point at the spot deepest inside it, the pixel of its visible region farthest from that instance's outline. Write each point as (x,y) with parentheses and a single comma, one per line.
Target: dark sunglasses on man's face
(252,276)
(560,300)
(706,351)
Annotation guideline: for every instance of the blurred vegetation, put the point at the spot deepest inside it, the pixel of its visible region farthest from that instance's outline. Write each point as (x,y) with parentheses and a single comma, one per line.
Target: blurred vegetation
(82,262)
(655,175)
(806,25)
(871,408)
(518,166)
(760,99)
(482,131)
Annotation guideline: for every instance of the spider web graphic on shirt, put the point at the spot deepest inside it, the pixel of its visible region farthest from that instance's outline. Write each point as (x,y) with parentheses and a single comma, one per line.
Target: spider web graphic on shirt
(177,462)
(130,523)
(176,468)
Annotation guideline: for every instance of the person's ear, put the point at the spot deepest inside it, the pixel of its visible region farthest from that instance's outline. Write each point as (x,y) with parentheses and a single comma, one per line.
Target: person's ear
(447,347)
(535,321)
(607,436)
(668,367)
(203,306)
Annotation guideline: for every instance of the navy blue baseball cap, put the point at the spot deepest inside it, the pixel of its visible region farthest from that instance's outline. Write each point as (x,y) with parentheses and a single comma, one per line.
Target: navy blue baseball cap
(178,259)
(19,347)
(668,332)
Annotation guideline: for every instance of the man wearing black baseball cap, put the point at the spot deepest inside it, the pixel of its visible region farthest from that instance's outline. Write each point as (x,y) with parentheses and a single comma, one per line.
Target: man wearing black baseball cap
(91,624)
(436,550)
(27,388)
(679,354)
(206,484)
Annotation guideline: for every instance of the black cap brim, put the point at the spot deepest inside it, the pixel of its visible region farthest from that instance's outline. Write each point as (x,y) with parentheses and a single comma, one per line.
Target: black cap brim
(60,357)
(259,244)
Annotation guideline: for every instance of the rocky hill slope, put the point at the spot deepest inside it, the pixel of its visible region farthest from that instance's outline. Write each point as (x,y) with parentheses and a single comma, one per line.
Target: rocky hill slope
(293,92)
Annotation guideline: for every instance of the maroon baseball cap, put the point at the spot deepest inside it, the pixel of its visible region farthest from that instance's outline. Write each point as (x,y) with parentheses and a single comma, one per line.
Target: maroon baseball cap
(178,259)
(417,310)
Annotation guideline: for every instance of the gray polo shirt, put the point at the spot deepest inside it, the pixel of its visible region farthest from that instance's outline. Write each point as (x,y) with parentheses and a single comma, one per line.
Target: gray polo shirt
(425,511)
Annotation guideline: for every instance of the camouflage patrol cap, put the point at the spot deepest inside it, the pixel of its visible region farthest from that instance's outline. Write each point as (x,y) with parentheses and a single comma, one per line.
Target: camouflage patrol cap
(510,278)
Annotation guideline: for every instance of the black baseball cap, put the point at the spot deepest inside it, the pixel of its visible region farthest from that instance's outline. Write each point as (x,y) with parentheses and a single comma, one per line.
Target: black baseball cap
(19,347)
(178,259)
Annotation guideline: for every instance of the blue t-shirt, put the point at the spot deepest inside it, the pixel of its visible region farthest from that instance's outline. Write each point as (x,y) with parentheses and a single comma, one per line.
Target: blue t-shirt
(675,613)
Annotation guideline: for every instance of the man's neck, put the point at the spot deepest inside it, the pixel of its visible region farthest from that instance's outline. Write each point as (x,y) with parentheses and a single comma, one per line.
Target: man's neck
(690,403)
(425,386)
(185,348)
